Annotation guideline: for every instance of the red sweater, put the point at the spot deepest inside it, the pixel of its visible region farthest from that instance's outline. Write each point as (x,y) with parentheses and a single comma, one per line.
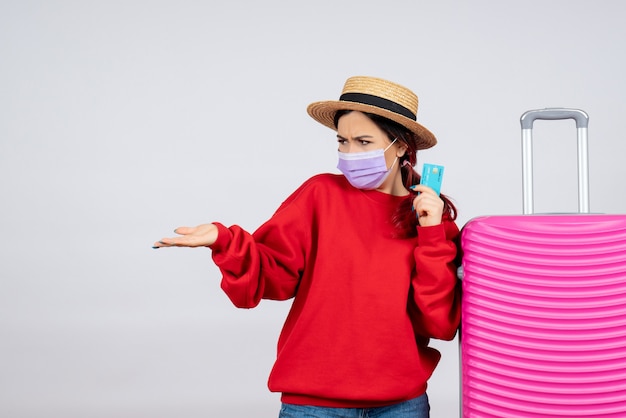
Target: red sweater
(365,303)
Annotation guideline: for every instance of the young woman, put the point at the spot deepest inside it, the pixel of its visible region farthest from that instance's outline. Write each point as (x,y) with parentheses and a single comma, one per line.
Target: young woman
(368,257)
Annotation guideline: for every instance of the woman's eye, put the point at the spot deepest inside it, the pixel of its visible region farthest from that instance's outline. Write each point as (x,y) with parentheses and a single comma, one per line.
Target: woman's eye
(363,142)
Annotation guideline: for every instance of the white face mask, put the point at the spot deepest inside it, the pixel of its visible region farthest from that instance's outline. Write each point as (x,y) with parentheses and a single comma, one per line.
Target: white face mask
(365,170)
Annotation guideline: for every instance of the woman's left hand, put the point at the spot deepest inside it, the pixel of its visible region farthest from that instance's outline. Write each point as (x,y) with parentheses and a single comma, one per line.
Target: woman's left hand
(428,206)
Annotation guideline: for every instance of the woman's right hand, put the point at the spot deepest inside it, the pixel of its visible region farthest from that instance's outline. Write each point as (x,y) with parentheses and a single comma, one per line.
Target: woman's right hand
(197,236)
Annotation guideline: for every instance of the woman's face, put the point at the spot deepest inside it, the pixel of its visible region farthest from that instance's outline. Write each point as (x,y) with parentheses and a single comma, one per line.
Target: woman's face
(357,133)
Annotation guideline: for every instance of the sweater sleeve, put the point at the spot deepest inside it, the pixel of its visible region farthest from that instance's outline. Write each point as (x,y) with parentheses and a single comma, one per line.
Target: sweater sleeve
(435,291)
(266,264)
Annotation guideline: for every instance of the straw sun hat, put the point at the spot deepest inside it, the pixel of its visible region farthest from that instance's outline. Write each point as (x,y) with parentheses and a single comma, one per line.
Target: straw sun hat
(377,96)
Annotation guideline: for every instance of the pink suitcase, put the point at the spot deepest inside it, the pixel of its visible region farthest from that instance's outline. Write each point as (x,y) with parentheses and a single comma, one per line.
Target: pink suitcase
(543,328)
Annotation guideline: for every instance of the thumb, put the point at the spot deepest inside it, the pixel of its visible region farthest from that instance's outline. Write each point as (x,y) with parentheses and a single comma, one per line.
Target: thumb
(184,230)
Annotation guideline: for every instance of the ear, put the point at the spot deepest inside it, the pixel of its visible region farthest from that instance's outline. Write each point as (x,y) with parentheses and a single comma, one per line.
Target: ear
(401,150)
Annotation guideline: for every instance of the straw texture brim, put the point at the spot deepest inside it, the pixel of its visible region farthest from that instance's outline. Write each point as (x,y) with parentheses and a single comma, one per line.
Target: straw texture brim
(324,112)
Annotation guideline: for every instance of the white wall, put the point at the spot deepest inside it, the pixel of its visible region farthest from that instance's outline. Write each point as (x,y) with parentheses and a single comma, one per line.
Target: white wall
(120,120)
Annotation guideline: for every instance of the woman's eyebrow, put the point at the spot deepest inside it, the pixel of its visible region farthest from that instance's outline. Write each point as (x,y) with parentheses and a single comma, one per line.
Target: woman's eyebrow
(356,138)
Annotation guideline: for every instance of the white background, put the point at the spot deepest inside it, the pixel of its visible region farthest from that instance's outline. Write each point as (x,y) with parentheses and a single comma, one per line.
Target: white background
(121,120)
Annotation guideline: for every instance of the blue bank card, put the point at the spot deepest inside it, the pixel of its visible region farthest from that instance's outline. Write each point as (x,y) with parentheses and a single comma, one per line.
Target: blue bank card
(432,176)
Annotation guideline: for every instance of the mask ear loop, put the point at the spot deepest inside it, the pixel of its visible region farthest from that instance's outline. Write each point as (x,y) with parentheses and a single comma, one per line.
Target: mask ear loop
(396,159)
(394,163)
(389,146)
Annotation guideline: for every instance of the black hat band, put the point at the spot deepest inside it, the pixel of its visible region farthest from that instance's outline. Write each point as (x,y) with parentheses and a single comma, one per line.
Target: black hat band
(371,100)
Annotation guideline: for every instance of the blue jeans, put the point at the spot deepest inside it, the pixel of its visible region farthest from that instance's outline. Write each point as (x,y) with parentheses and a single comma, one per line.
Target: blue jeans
(414,408)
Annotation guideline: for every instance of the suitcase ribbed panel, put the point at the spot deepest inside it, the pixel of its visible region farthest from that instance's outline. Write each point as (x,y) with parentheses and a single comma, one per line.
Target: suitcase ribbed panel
(543,331)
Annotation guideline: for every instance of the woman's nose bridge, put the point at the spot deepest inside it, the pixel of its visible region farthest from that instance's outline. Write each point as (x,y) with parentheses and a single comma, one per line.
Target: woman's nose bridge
(353,146)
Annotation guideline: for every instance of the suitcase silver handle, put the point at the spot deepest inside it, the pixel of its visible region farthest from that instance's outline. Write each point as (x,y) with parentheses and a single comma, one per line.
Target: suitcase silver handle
(582,122)
(557,113)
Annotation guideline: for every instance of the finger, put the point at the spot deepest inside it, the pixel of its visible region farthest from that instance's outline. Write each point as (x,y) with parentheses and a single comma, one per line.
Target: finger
(165,242)
(428,203)
(425,198)
(184,230)
(422,188)
(170,242)
(159,244)
(182,241)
